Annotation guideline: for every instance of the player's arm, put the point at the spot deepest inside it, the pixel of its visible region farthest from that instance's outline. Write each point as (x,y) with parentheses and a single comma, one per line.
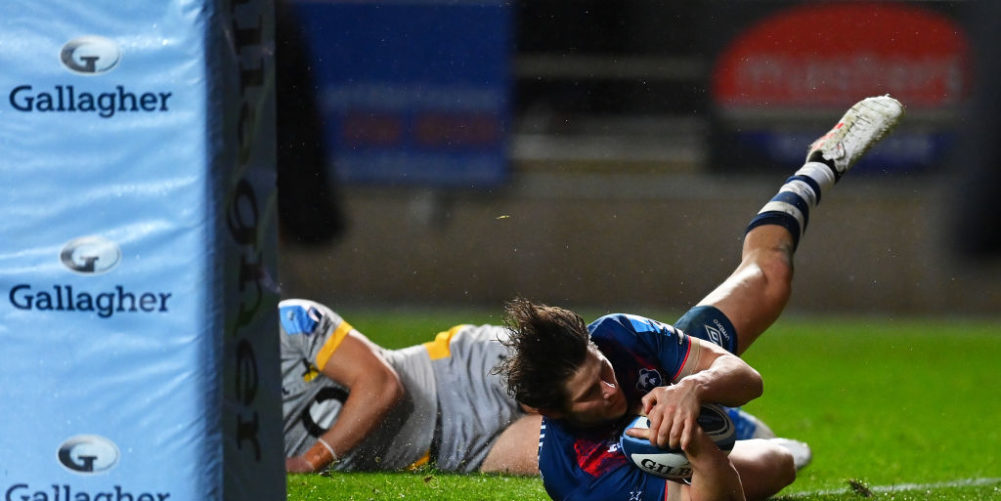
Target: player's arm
(516,450)
(714,478)
(710,374)
(374,388)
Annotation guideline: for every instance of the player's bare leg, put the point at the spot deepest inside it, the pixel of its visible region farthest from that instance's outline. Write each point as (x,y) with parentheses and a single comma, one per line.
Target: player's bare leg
(758,290)
(765,468)
(516,451)
(753,296)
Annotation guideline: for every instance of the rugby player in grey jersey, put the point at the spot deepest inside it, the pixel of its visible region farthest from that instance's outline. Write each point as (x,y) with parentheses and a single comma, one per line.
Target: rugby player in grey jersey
(352,405)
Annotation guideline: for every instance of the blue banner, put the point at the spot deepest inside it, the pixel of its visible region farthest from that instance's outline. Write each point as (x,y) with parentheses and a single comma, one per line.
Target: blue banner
(413,92)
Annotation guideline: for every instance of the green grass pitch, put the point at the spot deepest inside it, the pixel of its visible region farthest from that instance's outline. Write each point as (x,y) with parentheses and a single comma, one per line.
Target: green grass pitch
(894,408)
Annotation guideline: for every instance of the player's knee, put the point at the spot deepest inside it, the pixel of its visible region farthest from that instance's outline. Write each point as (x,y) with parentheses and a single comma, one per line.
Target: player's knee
(766,468)
(776,268)
(779,465)
(784,466)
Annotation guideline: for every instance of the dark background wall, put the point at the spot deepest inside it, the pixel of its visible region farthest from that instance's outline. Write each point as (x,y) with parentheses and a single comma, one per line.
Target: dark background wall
(618,197)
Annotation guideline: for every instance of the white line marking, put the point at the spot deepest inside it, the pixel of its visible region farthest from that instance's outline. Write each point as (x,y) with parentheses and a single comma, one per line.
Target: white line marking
(969,482)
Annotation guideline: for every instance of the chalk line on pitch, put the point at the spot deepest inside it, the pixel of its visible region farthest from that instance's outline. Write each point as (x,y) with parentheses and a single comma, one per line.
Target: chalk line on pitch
(969,482)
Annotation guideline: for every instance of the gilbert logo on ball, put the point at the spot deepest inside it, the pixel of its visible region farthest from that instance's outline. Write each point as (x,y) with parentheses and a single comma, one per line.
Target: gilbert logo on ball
(673,464)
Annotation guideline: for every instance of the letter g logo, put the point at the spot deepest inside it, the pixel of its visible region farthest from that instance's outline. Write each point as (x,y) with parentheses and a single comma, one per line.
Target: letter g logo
(90,55)
(90,255)
(88,454)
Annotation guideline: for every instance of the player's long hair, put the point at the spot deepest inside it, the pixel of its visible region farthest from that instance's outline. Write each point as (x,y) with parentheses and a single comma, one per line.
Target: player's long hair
(549,344)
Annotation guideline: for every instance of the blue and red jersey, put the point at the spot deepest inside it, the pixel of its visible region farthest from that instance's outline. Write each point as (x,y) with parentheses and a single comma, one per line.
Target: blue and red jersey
(582,464)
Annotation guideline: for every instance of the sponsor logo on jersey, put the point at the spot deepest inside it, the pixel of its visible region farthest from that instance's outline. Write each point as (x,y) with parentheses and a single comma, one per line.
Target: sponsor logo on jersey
(298,319)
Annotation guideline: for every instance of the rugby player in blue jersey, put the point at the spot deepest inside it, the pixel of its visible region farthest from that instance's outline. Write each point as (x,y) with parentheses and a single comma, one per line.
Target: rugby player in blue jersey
(588,379)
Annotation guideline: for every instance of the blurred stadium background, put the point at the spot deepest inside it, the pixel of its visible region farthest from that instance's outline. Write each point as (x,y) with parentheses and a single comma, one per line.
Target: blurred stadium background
(607,154)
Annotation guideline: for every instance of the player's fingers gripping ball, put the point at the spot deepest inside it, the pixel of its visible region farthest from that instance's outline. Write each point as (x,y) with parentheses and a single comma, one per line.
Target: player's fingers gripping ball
(673,464)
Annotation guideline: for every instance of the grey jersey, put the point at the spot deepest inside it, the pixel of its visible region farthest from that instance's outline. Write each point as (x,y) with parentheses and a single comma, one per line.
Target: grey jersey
(447,383)
(310,333)
(474,404)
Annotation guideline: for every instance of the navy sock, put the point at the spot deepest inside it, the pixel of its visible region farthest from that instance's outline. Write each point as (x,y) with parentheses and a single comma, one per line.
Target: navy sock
(790,207)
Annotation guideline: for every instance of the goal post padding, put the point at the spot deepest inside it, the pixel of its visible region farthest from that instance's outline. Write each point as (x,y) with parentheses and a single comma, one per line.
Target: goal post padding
(137,251)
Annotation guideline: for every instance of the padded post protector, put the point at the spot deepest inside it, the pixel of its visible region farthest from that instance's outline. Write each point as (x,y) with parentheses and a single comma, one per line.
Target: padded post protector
(138,349)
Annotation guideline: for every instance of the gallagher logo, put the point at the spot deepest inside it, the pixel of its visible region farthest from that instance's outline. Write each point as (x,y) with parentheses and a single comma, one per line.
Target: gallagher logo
(90,255)
(88,454)
(90,55)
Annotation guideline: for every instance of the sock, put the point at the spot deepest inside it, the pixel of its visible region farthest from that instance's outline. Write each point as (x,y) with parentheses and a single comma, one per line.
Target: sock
(818,156)
(790,208)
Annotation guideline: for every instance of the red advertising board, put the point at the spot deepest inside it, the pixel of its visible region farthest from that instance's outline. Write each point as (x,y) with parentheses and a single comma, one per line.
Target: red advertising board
(786,78)
(832,54)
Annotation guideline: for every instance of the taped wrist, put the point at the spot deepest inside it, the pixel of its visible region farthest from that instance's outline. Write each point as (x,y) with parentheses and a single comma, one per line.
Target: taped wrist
(320,455)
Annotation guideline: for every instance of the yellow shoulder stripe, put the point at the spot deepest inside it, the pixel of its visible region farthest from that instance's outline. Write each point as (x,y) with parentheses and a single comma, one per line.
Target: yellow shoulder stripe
(439,348)
(331,345)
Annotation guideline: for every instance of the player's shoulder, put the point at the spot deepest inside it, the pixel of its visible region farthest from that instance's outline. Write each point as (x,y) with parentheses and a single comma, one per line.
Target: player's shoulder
(302,316)
(486,332)
(618,324)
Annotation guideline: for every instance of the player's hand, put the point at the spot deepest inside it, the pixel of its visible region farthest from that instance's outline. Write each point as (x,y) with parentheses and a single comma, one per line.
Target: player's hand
(713,474)
(638,432)
(700,443)
(298,464)
(673,411)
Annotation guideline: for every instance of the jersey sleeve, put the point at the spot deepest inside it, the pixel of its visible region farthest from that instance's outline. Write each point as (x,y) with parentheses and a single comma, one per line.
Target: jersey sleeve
(585,468)
(633,341)
(310,330)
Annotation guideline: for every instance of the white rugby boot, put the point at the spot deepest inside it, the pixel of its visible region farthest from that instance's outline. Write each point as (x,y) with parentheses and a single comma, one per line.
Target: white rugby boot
(865,123)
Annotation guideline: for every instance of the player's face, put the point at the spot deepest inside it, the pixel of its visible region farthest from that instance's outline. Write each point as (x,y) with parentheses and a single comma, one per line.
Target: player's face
(595,396)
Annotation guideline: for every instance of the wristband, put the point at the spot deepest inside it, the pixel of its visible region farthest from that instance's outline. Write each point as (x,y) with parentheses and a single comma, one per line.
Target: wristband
(320,455)
(330,448)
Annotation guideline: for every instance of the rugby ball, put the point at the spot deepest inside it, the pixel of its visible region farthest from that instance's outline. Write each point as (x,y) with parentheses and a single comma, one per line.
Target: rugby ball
(672,464)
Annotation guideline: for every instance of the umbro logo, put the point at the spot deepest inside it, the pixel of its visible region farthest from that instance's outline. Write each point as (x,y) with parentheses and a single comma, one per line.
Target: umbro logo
(715,335)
